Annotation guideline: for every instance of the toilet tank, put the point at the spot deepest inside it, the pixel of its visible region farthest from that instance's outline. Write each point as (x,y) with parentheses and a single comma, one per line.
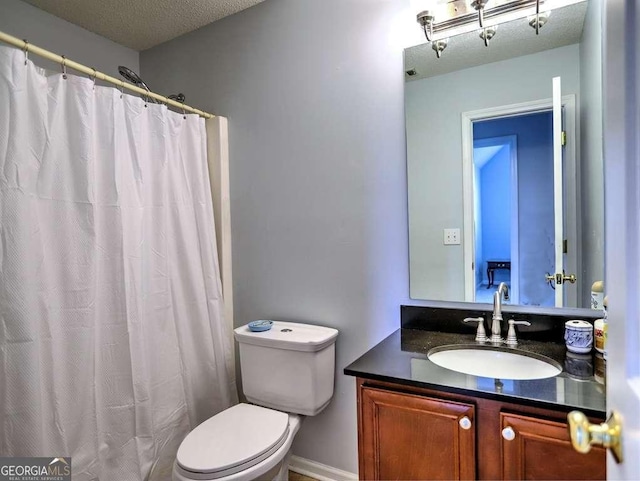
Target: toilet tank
(290,367)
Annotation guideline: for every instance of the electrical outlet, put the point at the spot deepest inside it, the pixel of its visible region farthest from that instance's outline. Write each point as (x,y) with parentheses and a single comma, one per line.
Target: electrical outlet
(451,237)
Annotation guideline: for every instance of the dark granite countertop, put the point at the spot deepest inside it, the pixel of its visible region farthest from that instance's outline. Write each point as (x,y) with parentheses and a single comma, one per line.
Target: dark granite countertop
(402,358)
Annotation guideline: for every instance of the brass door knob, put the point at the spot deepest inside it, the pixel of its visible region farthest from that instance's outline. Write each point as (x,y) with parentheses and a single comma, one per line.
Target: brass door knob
(584,434)
(571,278)
(561,278)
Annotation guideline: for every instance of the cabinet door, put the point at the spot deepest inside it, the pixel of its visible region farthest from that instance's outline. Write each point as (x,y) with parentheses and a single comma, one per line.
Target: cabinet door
(413,437)
(541,449)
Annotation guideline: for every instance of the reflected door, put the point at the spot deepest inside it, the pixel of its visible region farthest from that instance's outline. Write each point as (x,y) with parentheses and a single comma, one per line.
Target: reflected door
(531,204)
(513,206)
(558,197)
(563,283)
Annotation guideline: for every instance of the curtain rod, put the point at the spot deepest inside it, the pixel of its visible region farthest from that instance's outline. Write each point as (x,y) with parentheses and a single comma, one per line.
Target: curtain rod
(93,73)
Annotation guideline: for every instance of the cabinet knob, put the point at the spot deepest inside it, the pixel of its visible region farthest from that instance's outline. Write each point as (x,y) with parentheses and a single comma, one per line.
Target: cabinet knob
(465,423)
(508,433)
(584,434)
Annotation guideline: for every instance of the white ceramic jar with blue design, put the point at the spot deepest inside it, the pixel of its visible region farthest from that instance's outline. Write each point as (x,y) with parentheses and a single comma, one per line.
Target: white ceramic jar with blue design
(578,336)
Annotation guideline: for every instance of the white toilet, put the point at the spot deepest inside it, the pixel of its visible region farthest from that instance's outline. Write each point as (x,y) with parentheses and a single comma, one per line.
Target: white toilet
(287,371)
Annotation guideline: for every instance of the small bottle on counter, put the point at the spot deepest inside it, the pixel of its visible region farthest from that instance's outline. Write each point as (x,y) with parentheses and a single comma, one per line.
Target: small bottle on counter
(600,331)
(597,295)
(605,303)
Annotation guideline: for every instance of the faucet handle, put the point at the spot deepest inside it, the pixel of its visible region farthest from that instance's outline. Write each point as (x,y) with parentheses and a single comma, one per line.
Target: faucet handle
(481,335)
(512,340)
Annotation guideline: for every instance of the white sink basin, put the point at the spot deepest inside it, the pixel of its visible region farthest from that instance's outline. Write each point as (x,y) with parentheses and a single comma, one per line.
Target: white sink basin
(494,362)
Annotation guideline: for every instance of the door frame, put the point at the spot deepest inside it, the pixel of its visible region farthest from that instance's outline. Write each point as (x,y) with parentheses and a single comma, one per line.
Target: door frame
(621,95)
(512,142)
(572,210)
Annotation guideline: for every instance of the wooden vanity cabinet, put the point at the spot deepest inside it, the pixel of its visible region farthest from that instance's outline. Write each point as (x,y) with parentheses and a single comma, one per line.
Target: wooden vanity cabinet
(410,433)
(405,436)
(541,449)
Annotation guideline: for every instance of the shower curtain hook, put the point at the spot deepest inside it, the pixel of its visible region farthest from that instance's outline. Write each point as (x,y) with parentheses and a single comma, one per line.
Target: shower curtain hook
(93,77)
(121,88)
(26,51)
(64,67)
(184,114)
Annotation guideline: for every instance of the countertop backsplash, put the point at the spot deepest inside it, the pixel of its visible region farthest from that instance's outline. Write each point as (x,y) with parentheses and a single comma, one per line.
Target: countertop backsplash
(547,324)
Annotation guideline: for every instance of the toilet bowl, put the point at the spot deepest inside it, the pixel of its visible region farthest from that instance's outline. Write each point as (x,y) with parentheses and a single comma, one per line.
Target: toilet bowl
(243,443)
(287,373)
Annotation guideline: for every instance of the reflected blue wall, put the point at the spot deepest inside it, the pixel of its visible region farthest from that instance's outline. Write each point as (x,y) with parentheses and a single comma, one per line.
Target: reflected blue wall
(535,199)
(495,201)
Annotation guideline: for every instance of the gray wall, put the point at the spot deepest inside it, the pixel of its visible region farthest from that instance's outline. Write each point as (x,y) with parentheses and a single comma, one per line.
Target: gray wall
(314,95)
(591,150)
(433,108)
(59,36)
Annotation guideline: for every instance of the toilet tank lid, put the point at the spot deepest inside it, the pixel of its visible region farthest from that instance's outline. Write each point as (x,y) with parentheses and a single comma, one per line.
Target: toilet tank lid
(289,335)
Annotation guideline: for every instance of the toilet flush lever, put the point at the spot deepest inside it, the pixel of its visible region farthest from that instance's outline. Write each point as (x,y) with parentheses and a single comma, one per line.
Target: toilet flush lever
(481,335)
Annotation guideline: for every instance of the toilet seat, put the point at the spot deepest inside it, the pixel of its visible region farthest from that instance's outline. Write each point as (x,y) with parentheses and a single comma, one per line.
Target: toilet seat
(232,441)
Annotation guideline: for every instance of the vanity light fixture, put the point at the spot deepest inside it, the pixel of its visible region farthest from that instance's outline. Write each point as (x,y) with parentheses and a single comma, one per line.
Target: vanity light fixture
(538,20)
(487,34)
(448,18)
(479,6)
(426,16)
(426,19)
(439,46)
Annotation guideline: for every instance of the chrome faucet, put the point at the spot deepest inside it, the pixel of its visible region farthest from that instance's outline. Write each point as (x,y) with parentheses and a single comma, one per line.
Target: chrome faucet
(496,327)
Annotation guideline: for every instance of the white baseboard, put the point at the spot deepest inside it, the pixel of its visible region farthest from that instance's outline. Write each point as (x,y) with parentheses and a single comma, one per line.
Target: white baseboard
(319,471)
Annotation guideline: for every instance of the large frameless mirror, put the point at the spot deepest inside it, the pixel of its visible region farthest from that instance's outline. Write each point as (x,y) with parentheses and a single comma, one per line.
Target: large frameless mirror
(503,187)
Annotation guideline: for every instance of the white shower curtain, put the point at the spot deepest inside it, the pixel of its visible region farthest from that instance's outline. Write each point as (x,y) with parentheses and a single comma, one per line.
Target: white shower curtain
(112,341)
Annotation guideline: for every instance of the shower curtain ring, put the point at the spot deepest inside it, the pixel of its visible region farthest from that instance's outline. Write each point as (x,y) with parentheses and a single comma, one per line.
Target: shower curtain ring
(184,114)
(26,51)
(64,67)
(93,77)
(121,88)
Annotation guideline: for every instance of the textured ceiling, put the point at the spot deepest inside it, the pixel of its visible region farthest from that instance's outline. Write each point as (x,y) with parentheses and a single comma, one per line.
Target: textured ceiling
(142,24)
(512,39)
